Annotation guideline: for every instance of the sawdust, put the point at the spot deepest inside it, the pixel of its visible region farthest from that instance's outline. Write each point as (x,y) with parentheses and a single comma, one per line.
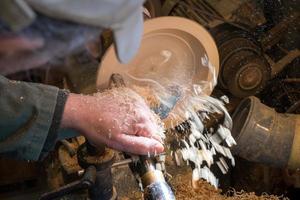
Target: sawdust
(148,94)
(200,145)
(121,110)
(181,183)
(184,191)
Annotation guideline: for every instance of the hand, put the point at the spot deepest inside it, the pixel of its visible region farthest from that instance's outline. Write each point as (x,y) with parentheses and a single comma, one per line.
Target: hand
(118,118)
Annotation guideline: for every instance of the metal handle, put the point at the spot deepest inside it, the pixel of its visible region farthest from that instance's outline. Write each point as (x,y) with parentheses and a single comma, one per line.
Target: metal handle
(86,182)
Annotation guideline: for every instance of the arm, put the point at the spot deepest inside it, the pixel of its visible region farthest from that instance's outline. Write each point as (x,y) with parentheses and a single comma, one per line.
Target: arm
(119,118)
(30,115)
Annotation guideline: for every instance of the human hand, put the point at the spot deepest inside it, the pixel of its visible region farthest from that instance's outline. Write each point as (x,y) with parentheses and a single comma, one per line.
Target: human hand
(118,118)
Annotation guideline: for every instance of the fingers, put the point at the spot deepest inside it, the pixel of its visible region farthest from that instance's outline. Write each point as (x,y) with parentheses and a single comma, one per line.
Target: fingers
(128,143)
(147,130)
(137,145)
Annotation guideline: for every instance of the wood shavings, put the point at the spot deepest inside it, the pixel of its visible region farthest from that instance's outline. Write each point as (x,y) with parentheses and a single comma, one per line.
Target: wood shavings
(183,188)
(184,191)
(201,146)
(148,94)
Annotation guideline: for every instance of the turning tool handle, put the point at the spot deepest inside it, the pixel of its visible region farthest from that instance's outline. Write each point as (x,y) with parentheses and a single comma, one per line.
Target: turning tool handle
(158,190)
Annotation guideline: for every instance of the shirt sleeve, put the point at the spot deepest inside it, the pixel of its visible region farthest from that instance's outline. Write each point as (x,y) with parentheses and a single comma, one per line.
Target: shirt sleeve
(53,133)
(29,118)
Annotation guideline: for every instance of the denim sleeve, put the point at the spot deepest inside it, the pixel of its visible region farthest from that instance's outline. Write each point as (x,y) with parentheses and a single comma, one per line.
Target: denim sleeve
(30,114)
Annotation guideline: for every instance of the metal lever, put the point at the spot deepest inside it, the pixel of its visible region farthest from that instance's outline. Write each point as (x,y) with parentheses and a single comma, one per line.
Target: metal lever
(87,181)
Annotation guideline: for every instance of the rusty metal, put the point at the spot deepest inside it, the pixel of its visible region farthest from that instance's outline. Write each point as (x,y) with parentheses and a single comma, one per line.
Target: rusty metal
(125,162)
(88,181)
(234,45)
(211,14)
(249,75)
(294,161)
(281,94)
(273,36)
(67,160)
(69,163)
(292,80)
(88,156)
(153,180)
(244,70)
(168,6)
(294,107)
(249,13)
(69,147)
(283,62)
(153,7)
(102,159)
(265,136)
(250,78)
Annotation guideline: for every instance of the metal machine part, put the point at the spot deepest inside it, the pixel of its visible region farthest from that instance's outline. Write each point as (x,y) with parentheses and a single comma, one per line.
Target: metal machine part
(87,181)
(246,39)
(153,181)
(97,178)
(243,14)
(265,136)
(245,74)
(240,55)
(102,158)
(283,93)
(274,43)
(153,8)
(244,70)
(250,59)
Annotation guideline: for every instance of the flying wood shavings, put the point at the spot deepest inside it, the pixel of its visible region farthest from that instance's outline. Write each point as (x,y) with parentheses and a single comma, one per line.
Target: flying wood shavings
(202,147)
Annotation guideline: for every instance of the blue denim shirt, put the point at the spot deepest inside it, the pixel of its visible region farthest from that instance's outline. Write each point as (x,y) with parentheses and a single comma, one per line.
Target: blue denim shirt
(29,118)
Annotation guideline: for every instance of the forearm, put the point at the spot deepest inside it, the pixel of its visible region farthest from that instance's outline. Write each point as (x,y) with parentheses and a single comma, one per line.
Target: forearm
(118,118)
(53,133)
(74,112)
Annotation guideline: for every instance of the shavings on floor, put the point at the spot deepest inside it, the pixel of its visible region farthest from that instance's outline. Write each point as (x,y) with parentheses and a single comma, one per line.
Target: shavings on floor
(184,191)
